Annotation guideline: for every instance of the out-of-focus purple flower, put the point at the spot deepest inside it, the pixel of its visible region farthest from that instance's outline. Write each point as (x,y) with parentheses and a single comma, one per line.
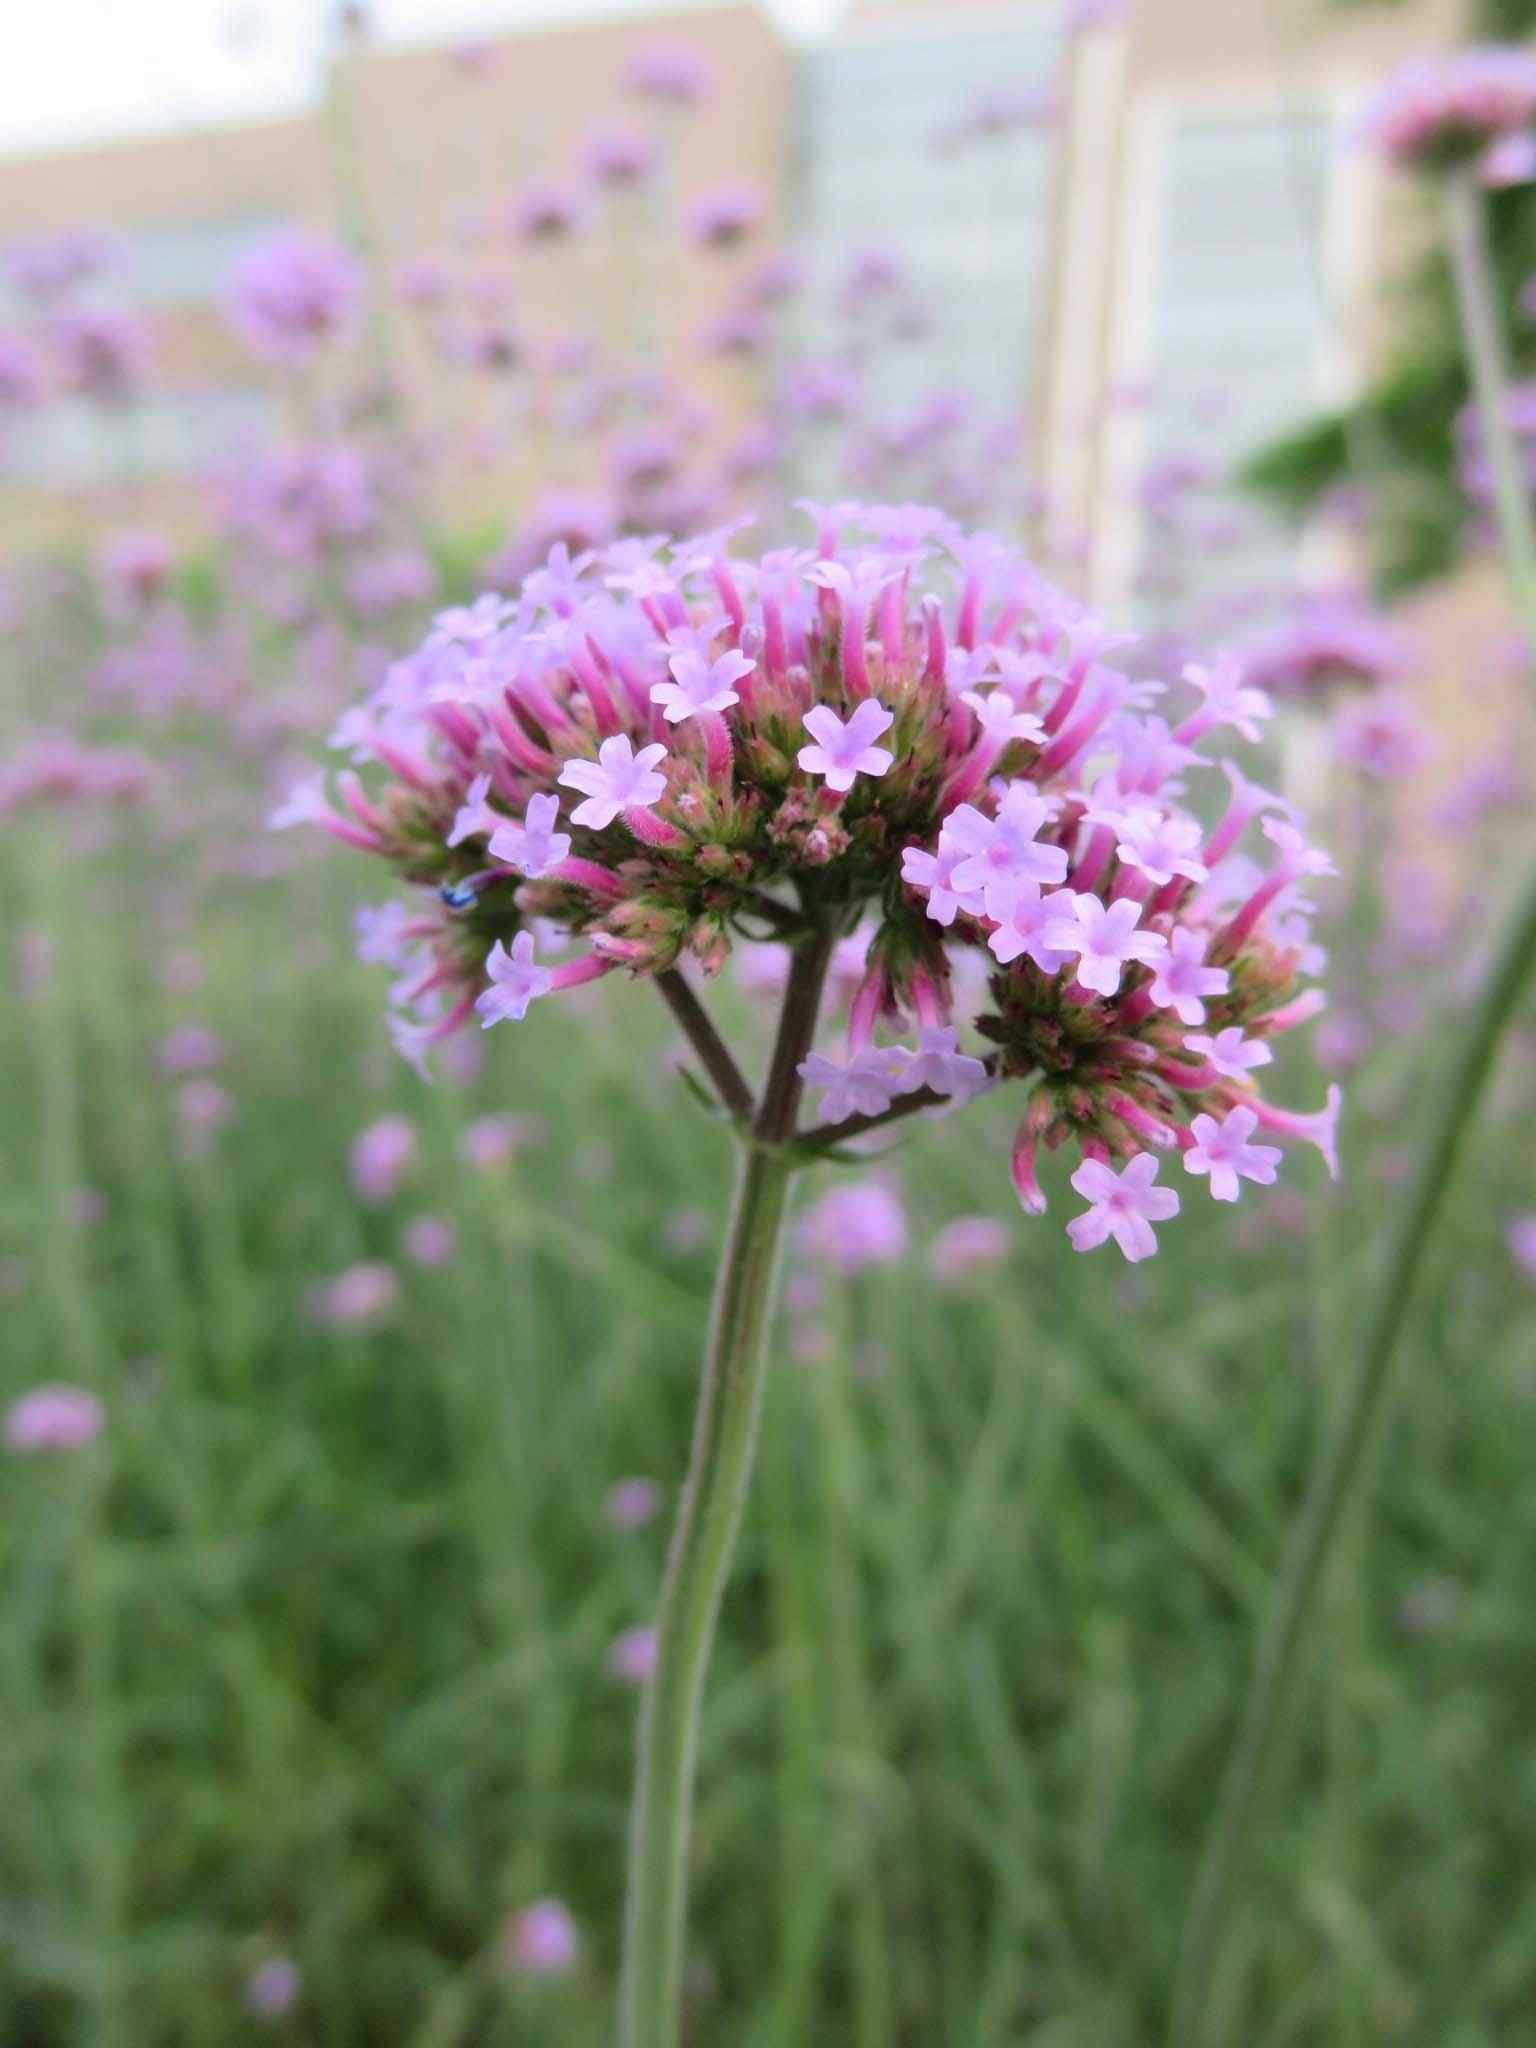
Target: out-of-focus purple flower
(422,283)
(53,1418)
(723,217)
(183,971)
(861,1223)
(618,157)
(430,1240)
(292,293)
(1473,463)
(1328,642)
(1437,111)
(1521,1239)
(775,279)
(966,1247)
(105,353)
(572,519)
(1510,161)
(1497,783)
(541,1941)
(489,1142)
(202,1106)
(46,267)
(389,579)
(272,1989)
(871,278)
(361,1295)
(740,331)
(21,374)
(547,212)
(135,568)
(632,1656)
(1342,1041)
(998,111)
(670,70)
(684,1230)
(296,500)
(821,390)
(474,57)
(1383,737)
(55,768)
(642,460)
(86,1207)
(381,1158)
(631,1503)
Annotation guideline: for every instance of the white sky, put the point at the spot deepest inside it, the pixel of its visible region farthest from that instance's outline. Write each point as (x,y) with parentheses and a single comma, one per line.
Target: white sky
(74,70)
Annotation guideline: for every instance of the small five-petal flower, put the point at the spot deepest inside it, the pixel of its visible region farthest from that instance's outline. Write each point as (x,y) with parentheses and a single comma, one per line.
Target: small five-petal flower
(1104,938)
(844,750)
(517,979)
(618,780)
(1122,1205)
(533,847)
(1222,1150)
(699,684)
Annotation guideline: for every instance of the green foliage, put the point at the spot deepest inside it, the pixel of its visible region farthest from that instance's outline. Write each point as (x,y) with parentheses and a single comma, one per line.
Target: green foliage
(1504,21)
(309,1654)
(1396,444)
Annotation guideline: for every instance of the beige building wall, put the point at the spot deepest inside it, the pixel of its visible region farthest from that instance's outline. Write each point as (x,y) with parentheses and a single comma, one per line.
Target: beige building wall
(434,156)
(1127,86)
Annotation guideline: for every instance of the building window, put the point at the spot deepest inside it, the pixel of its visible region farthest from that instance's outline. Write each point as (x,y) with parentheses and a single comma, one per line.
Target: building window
(1228,337)
(73,443)
(183,262)
(969,222)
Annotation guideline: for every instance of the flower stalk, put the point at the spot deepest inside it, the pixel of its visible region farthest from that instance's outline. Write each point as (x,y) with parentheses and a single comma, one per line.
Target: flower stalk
(1483,337)
(708,1519)
(1344,1457)
(1336,1477)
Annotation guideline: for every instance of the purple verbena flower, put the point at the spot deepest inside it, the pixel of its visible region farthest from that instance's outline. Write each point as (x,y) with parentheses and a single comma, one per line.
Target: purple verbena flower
(843,749)
(53,1418)
(1123,1206)
(293,292)
(1436,112)
(1222,1150)
(618,780)
(1103,939)
(516,980)
(533,847)
(542,1941)
(983,807)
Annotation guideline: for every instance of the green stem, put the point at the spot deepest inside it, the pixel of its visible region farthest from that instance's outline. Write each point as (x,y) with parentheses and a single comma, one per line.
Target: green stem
(1336,1475)
(709,1515)
(708,1519)
(1483,335)
(1338,1469)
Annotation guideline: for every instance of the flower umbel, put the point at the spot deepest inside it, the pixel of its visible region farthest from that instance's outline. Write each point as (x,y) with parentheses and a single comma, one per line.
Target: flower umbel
(853,736)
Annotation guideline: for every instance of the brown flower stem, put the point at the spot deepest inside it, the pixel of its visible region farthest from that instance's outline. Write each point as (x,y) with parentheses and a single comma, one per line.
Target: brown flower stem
(715,1056)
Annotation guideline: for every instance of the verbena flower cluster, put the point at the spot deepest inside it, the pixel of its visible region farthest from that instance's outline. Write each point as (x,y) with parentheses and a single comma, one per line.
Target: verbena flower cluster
(657,748)
(1435,113)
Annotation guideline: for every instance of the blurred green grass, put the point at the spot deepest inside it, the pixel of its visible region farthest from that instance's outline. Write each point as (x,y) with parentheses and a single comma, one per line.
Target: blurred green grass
(308,1654)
